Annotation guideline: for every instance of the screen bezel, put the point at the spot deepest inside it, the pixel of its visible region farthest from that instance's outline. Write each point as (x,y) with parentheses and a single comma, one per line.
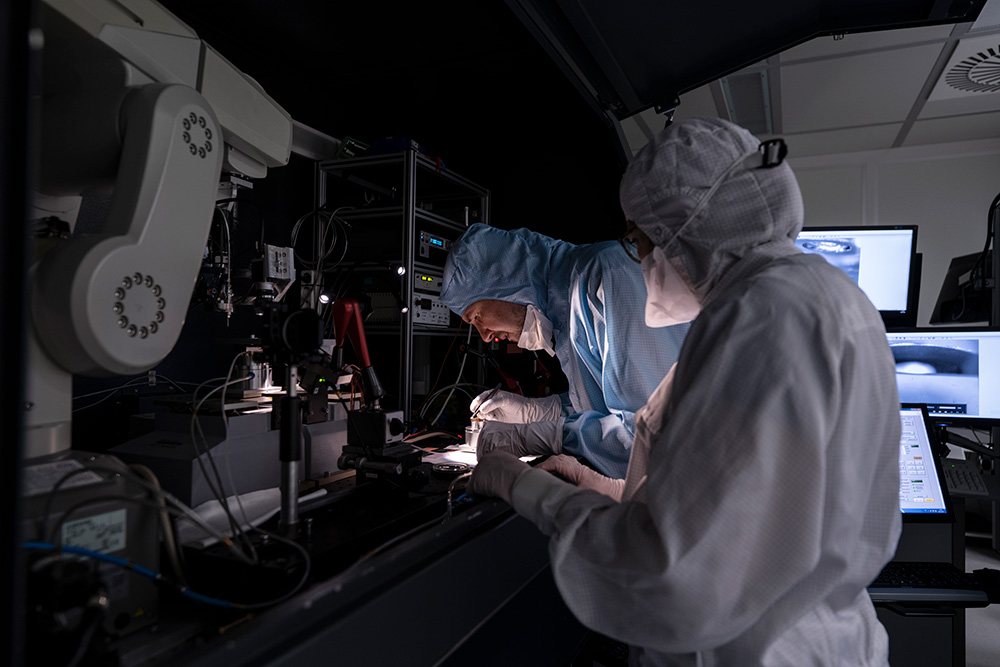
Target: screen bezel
(893,319)
(957,421)
(948,515)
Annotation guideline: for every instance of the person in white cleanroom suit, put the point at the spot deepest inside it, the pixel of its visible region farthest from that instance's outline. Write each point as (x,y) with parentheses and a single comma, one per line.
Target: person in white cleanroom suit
(581,303)
(762,490)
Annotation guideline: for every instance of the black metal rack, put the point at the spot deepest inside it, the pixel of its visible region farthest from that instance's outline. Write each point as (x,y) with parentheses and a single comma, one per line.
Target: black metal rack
(390,201)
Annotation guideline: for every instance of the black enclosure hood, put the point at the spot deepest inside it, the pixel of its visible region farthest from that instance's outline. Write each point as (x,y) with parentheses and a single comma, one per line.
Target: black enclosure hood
(629,55)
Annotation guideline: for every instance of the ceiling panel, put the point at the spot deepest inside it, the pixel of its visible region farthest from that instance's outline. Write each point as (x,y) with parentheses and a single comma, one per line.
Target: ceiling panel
(958,128)
(854,90)
(698,102)
(632,54)
(842,141)
(868,91)
(963,105)
(827,47)
(972,70)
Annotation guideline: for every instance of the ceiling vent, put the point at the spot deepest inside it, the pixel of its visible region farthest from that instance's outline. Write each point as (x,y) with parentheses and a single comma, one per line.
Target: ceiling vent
(973,71)
(979,73)
(749,100)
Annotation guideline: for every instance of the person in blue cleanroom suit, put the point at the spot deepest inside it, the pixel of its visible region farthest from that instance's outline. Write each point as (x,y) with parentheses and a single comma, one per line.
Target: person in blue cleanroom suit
(582,303)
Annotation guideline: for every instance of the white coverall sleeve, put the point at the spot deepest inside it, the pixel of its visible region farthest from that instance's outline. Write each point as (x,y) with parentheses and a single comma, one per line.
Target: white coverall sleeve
(735,491)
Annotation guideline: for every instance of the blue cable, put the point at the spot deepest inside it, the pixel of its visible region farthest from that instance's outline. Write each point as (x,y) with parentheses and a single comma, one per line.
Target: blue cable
(128,565)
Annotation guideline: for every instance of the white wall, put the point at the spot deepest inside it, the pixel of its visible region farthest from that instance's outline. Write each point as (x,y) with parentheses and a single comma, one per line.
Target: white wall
(944,189)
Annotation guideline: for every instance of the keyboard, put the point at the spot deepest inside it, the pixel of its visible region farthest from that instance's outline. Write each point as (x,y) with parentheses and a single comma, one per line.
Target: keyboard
(940,583)
(964,478)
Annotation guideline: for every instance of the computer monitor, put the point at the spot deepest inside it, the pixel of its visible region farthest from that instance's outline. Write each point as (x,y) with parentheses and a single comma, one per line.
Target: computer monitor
(881,260)
(923,494)
(951,370)
(964,296)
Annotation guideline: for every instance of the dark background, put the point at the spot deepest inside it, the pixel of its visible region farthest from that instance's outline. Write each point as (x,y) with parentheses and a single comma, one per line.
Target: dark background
(464,79)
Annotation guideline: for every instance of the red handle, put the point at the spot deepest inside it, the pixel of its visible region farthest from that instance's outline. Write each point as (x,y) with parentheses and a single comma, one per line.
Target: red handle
(347,324)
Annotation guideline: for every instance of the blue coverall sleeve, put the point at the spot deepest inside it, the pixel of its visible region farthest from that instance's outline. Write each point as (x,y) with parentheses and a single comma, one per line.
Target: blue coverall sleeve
(604,440)
(613,360)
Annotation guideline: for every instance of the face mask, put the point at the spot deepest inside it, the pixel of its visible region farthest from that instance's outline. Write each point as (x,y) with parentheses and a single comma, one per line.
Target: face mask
(537,332)
(669,300)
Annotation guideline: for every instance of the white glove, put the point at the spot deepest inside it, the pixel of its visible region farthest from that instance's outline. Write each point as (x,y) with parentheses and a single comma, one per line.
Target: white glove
(576,473)
(495,474)
(516,409)
(535,439)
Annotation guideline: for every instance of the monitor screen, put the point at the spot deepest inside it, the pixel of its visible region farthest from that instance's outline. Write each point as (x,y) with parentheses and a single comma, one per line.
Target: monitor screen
(963,296)
(878,259)
(952,371)
(920,482)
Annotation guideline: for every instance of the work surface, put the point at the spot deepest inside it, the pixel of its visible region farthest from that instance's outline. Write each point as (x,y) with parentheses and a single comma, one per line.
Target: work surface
(423,601)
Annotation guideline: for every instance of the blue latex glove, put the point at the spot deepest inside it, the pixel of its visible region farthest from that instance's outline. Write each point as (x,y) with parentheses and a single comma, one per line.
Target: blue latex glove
(495,475)
(535,439)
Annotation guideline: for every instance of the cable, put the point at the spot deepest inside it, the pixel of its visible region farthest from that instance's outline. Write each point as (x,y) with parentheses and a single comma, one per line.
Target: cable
(130,383)
(166,526)
(260,216)
(110,393)
(220,492)
(93,500)
(452,388)
(461,368)
(87,636)
(326,251)
(112,389)
(981,260)
(451,487)
(225,427)
(445,360)
(423,434)
(229,264)
(396,540)
(306,560)
(216,492)
(333,243)
(188,513)
(161,579)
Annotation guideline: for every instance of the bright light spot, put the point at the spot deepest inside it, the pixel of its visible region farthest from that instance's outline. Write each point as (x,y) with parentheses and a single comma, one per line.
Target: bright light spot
(915,368)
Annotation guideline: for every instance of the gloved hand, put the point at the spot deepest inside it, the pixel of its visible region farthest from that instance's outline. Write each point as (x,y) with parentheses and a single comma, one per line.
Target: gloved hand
(516,409)
(533,439)
(495,475)
(585,478)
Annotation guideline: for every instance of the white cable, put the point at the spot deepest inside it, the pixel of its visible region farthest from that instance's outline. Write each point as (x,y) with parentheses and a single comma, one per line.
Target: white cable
(459,386)
(225,430)
(195,424)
